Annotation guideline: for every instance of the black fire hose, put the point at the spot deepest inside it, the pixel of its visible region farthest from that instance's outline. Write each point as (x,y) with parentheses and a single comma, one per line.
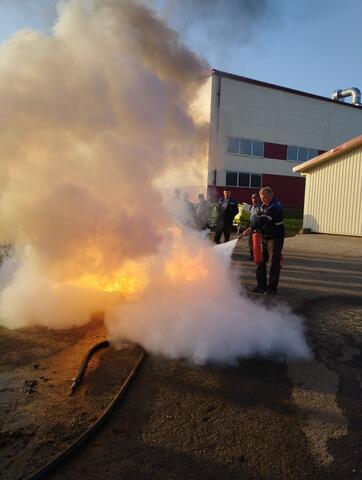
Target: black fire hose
(84,364)
(82,439)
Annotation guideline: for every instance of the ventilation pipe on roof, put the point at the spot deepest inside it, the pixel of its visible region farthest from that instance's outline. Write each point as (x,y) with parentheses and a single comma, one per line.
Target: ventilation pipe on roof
(348,92)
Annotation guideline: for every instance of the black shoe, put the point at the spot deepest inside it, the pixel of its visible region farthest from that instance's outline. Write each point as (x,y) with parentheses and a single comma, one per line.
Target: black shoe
(258,290)
(270,291)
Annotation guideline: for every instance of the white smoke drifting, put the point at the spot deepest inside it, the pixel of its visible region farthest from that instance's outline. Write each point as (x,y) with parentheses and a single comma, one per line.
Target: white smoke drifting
(202,316)
(92,117)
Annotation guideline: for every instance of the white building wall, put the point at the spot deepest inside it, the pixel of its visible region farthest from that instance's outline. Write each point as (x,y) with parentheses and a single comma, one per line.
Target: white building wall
(333,195)
(241,109)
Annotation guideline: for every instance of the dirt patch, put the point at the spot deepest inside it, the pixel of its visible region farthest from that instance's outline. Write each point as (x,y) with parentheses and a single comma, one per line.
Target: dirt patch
(39,418)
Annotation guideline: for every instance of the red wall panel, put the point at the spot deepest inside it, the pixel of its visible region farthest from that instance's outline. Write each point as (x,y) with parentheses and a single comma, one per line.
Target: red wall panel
(275,150)
(289,190)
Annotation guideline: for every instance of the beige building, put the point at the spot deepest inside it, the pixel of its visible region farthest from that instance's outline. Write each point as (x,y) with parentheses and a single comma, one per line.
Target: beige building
(333,190)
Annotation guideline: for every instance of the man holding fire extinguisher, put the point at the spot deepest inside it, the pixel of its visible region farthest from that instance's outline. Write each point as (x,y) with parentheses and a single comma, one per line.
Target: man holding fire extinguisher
(268,228)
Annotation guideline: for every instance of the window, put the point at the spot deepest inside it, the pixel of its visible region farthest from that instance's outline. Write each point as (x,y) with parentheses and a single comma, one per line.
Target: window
(301,154)
(292,153)
(243,179)
(233,145)
(231,178)
(255,180)
(258,148)
(245,146)
(312,152)
(255,148)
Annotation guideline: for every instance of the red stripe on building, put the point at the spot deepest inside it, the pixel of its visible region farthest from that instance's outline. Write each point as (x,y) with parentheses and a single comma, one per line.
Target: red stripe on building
(289,190)
(275,150)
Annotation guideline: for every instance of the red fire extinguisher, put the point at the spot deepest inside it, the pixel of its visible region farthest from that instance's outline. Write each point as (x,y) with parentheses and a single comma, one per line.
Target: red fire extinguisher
(257,247)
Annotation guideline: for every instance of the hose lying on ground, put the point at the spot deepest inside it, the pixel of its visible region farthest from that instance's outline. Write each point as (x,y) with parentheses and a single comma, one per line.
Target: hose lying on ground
(82,439)
(84,364)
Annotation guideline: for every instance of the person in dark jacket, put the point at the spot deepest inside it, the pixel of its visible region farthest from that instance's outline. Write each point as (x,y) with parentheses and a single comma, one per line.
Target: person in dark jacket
(270,223)
(227,209)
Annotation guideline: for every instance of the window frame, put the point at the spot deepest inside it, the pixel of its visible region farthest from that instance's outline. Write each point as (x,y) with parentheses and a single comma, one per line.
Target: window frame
(237,178)
(244,174)
(241,139)
(259,144)
(261,180)
(253,154)
(229,141)
(250,174)
(296,151)
(299,149)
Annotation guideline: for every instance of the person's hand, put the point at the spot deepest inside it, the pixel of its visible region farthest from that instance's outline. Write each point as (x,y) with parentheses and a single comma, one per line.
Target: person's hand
(246,232)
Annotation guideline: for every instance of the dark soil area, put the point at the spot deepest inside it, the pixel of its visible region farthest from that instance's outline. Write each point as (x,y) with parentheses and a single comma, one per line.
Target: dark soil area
(39,418)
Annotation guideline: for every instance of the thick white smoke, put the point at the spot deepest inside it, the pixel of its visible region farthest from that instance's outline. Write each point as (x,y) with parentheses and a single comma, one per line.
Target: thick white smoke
(92,117)
(202,316)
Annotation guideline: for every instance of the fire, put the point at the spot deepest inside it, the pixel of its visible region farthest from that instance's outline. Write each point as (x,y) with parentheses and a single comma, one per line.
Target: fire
(115,282)
(129,280)
(132,278)
(91,268)
(184,265)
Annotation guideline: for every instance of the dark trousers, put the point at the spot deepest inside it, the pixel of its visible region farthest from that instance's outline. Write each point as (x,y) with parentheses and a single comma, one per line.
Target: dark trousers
(272,250)
(222,229)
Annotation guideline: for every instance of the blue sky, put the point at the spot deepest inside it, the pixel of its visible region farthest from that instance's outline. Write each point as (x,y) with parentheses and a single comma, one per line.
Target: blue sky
(309,45)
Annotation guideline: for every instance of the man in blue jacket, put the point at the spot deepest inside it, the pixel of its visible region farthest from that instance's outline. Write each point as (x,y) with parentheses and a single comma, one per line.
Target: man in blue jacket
(270,223)
(227,209)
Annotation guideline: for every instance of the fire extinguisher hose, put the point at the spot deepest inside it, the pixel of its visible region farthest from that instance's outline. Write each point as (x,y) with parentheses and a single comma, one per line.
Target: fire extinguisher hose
(82,439)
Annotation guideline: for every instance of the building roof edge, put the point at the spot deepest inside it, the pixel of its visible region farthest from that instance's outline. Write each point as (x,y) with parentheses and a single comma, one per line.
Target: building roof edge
(279,87)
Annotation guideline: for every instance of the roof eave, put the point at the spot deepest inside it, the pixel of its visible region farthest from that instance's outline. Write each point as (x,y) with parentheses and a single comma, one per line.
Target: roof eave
(240,78)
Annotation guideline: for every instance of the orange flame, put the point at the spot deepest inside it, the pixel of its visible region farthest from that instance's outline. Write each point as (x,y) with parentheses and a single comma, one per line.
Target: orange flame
(125,284)
(128,280)
(88,269)
(185,265)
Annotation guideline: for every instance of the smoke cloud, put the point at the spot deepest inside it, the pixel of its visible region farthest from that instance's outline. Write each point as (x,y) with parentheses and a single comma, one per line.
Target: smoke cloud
(217,27)
(93,116)
(203,317)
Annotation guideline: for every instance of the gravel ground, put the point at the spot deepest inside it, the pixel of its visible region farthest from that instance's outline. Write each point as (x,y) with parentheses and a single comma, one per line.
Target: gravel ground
(257,420)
